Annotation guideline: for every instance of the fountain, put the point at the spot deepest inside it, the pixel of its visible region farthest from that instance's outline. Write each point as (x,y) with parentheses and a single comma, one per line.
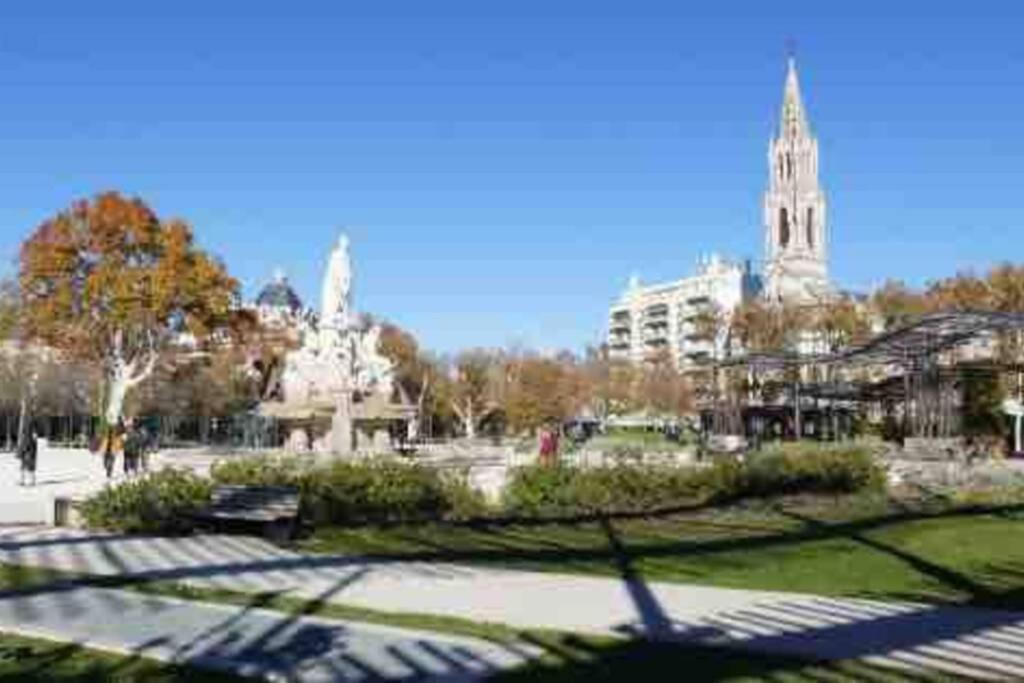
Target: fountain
(338,393)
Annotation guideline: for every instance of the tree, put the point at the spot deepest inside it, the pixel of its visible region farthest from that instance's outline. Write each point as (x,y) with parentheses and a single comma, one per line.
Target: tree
(1006,288)
(761,327)
(962,292)
(471,388)
(606,384)
(896,304)
(544,391)
(982,395)
(662,388)
(108,281)
(22,365)
(840,322)
(419,375)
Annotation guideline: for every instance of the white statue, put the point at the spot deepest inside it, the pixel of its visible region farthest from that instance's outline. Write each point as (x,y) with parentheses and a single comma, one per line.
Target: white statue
(339,357)
(336,292)
(374,371)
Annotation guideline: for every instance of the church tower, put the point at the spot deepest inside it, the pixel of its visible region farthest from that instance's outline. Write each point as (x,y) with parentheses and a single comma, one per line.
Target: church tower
(796,249)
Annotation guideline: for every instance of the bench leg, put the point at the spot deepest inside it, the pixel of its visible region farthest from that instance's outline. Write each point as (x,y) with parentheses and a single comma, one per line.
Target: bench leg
(279,531)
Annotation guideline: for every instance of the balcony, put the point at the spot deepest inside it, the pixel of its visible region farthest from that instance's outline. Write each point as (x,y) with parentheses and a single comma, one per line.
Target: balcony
(656,340)
(620,326)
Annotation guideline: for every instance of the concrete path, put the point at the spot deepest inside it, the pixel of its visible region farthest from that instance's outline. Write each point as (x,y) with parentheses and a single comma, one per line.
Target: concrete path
(974,642)
(62,472)
(247,641)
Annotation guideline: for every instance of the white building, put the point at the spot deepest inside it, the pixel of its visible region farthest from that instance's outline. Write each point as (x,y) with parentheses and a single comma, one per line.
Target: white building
(648,320)
(656,318)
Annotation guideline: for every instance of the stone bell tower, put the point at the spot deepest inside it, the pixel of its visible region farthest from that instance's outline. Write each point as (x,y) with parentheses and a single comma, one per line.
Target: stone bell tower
(796,249)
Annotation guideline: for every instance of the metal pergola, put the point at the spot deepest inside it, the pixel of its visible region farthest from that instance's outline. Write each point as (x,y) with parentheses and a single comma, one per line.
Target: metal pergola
(917,365)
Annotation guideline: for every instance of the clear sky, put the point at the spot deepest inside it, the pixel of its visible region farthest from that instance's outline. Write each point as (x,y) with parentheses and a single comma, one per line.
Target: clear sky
(502,167)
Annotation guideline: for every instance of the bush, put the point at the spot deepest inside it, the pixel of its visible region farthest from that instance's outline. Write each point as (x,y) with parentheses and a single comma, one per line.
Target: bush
(811,468)
(565,491)
(160,503)
(347,492)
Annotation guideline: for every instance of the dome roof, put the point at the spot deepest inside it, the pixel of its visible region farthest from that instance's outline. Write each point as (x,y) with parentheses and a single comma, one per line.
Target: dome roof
(279,294)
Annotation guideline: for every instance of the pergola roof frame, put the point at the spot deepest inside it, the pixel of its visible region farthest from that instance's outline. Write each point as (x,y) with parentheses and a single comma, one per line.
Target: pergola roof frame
(906,345)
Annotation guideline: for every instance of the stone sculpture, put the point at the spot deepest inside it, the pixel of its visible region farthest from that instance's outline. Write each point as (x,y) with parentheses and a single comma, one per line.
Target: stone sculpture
(339,359)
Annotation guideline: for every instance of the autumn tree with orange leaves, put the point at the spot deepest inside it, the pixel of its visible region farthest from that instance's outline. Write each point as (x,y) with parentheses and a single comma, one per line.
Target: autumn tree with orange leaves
(108,281)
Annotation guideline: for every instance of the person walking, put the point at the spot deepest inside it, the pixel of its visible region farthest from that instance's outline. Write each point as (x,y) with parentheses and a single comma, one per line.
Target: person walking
(110,448)
(132,451)
(28,454)
(146,445)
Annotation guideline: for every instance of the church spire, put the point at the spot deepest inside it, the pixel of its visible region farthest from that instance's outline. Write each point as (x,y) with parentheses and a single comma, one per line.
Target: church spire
(794,205)
(794,118)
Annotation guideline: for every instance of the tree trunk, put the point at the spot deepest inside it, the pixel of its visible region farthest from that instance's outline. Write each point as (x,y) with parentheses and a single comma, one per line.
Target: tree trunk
(117,390)
(470,421)
(22,418)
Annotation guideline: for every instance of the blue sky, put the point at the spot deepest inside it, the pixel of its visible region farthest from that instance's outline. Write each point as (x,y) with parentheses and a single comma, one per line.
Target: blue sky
(502,167)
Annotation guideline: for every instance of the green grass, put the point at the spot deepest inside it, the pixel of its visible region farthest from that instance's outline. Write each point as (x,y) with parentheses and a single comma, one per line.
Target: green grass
(28,660)
(639,439)
(853,546)
(655,663)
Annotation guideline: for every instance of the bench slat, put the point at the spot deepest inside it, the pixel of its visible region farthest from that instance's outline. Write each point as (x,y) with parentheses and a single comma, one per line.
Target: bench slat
(253,503)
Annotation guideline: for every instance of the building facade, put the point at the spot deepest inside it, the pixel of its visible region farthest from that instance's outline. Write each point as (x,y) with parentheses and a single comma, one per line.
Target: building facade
(663,318)
(666,318)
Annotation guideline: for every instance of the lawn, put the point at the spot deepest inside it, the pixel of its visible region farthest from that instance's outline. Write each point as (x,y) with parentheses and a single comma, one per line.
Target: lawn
(28,660)
(852,546)
(644,440)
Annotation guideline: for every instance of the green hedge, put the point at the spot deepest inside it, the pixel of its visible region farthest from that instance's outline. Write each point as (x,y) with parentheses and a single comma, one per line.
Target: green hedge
(160,503)
(353,492)
(386,490)
(336,493)
(813,468)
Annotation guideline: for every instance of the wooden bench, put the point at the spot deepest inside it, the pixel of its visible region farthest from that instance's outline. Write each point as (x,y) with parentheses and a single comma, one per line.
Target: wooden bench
(275,508)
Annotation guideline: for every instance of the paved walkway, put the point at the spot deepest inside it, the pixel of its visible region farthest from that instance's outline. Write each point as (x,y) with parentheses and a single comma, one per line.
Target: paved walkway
(247,641)
(62,472)
(975,642)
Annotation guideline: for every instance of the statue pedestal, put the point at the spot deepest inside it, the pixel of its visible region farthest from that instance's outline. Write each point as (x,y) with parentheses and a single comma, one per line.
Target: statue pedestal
(341,426)
(382,442)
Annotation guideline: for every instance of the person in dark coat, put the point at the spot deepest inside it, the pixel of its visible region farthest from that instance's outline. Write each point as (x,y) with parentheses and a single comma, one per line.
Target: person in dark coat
(28,454)
(132,450)
(111,441)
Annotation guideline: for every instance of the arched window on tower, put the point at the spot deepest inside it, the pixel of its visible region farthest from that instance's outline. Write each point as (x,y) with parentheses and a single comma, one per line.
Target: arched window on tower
(810,227)
(789,166)
(783,227)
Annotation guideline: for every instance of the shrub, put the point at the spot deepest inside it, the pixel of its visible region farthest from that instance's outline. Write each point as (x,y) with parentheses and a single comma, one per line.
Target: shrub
(345,492)
(463,500)
(538,490)
(564,491)
(162,502)
(811,468)
(555,491)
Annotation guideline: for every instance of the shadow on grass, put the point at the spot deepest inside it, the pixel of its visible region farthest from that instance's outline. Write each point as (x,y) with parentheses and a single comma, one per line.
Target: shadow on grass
(26,660)
(834,629)
(653,662)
